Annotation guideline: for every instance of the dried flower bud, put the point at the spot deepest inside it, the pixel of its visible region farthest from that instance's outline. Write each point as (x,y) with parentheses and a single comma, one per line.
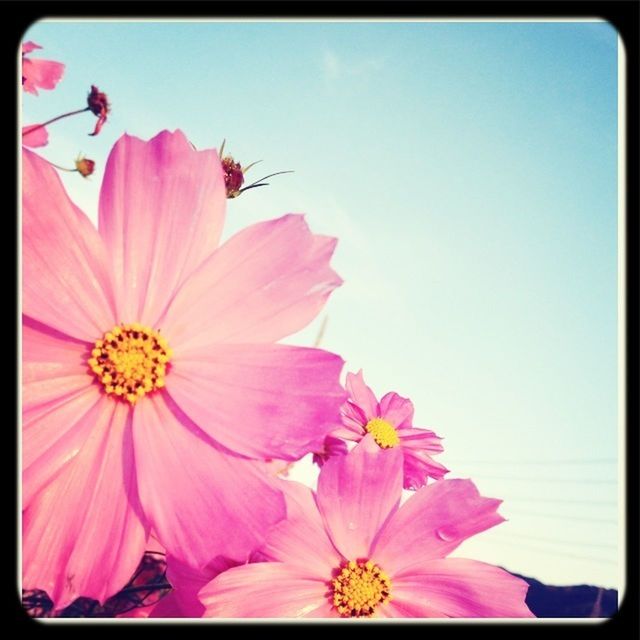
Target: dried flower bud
(233,176)
(98,104)
(85,166)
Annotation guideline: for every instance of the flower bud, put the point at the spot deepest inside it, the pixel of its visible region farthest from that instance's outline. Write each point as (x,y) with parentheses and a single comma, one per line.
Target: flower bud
(98,104)
(85,166)
(233,176)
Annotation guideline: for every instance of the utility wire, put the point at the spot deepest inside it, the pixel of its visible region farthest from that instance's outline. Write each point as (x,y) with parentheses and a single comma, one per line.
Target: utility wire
(571,461)
(611,503)
(560,516)
(579,543)
(544,479)
(558,553)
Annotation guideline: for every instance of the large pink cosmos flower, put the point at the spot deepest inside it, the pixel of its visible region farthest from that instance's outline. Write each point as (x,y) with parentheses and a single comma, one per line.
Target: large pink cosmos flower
(390,422)
(37,73)
(152,381)
(351,551)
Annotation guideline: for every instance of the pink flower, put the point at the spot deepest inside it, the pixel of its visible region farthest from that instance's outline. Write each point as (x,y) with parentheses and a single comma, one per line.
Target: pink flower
(351,551)
(43,74)
(390,423)
(153,387)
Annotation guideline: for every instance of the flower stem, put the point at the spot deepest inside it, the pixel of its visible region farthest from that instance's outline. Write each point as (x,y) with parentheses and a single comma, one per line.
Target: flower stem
(57,166)
(35,127)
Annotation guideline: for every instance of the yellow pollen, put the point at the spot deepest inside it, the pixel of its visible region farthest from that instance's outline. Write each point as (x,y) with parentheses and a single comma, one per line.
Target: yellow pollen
(383,432)
(359,588)
(130,361)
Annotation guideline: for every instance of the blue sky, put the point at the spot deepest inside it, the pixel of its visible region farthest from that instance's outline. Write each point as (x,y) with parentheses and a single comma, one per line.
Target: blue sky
(470,173)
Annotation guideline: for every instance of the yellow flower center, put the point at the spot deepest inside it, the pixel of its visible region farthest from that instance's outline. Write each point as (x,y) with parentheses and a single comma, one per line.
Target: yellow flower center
(383,432)
(359,588)
(130,361)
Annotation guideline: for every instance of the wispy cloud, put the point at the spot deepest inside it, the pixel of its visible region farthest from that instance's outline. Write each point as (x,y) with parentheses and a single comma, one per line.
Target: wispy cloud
(336,67)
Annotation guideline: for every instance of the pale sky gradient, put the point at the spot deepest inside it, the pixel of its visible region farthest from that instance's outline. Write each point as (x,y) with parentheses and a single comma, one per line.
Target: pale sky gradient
(470,173)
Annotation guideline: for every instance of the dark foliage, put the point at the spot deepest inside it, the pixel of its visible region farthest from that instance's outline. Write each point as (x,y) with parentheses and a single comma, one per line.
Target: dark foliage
(148,585)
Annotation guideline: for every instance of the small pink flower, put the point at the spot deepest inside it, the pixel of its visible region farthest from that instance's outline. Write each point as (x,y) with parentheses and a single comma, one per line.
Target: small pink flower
(154,386)
(43,74)
(390,423)
(351,551)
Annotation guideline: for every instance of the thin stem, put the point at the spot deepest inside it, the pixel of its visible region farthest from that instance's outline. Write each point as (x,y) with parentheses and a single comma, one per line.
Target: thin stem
(253,164)
(259,183)
(57,166)
(35,127)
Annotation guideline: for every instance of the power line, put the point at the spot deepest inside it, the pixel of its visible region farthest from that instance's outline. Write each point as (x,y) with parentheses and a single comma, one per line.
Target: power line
(562,516)
(548,461)
(560,500)
(558,553)
(557,541)
(544,479)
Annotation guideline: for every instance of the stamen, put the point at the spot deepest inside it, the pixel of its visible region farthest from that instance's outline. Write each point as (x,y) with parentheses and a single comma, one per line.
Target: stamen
(359,588)
(130,361)
(383,432)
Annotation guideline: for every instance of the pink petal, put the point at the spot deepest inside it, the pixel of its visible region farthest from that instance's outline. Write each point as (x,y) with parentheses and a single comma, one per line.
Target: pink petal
(461,588)
(54,365)
(194,494)
(357,493)
(332,447)
(34,137)
(325,610)
(417,445)
(30,46)
(40,74)
(83,534)
(161,213)
(432,523)
(262,401)
(265,590)
(396,410)
(99,124)
(354,420)
(183,601)
(418,466)
(267,282)
(361,395)
(65,280)
(142,612)
(53,435)
(300,501)
(59,403)
(301,539)
(422,439)
(167,607)
(406,609)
